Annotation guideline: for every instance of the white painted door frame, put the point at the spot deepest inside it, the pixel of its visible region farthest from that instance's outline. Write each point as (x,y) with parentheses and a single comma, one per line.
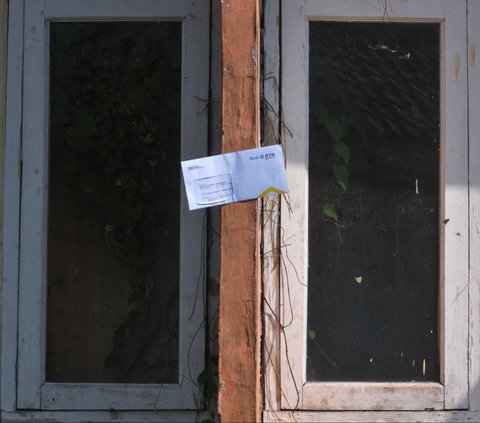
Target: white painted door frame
(295,392)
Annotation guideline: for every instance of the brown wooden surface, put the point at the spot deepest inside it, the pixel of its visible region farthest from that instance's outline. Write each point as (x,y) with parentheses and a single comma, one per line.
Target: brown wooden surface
(239,349)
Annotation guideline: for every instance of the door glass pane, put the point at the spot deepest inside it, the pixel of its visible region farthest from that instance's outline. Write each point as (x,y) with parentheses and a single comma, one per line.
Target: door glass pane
(373,230)
(114,202)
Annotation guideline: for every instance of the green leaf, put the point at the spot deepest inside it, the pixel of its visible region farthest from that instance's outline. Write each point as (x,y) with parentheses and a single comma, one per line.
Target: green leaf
(135,281)
(143,367)
(213,287)
(330,211)
(343,151)
(120,331)
(363,359)
(321,113)
(202,378)
(113,360)
(119,336)
(78,143)
(341,176)
(160,364)
(85,123)
(133,315)
(336,129)
(69,165)
(136,212)
(118,344)
(311,334)
(133,298)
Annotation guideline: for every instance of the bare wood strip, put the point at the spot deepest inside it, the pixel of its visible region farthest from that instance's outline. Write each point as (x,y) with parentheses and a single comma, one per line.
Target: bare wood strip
(239,310)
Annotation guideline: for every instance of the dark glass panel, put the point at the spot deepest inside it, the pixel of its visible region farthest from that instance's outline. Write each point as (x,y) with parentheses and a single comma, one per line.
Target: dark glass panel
(373,202)
(114,202)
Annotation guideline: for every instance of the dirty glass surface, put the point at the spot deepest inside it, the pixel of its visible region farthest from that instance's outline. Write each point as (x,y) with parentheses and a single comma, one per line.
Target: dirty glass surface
(114,202)
(374,142)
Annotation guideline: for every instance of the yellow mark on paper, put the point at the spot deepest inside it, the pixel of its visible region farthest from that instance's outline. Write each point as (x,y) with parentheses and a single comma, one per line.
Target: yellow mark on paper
(456,65)
(358,279)
(473,54)
(269,190)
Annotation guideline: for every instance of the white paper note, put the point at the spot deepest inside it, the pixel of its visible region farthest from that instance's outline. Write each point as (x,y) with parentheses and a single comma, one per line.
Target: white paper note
(239,176)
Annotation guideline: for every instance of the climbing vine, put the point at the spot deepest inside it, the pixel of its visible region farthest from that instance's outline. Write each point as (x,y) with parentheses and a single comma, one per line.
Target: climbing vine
(337,130)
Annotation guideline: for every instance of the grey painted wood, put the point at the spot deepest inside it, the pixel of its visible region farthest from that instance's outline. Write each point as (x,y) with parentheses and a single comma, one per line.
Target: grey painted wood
(33,392)
(11,211)
(474,137)
(153,416)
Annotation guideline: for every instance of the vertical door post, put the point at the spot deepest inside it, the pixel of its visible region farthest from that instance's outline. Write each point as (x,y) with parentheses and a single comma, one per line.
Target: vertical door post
(239,312)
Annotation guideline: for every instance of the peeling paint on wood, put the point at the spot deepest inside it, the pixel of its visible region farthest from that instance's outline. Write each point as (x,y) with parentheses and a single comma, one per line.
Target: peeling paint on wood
(371,417)
(374,396)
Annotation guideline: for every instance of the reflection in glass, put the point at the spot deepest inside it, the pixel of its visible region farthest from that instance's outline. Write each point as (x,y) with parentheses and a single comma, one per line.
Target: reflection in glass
(114,202)
(373,202)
